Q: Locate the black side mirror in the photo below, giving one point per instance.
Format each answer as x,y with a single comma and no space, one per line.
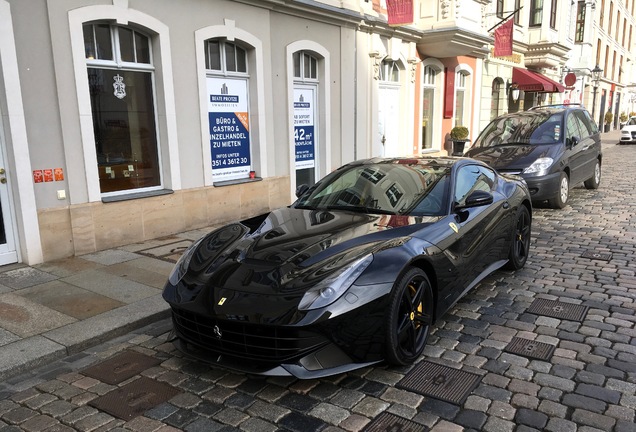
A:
477,198
574,140
300,190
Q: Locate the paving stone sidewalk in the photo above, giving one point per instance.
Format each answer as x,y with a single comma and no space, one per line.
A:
583,255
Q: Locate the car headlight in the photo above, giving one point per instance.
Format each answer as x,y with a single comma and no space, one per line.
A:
181,267
540,166
331,289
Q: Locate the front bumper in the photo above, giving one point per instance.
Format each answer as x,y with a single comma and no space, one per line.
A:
544,187
628,137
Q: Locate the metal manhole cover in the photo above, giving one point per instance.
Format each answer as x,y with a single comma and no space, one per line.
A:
440,382
557,309
529,348
134,399
602,256
121,367
387,422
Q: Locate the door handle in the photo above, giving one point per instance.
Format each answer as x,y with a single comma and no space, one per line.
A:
3,180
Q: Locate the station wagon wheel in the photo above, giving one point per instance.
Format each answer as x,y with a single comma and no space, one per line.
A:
409,317
563,193
520,245
595,180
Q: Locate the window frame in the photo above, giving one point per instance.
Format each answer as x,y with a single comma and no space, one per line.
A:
553,13
118,64
536,13
579,32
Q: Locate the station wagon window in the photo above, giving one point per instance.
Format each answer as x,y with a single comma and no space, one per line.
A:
121,86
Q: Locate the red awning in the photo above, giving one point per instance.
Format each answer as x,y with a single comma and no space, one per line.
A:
529,81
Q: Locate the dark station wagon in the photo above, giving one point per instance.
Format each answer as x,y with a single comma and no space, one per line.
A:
553,148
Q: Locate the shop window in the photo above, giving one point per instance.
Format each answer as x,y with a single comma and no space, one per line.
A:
429,83
460,97
228,109
495,96
122,95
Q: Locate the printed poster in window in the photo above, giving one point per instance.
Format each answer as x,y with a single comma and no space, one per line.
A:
304,136
228,116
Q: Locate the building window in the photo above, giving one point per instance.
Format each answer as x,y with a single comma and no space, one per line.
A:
553,14
225,57
500,8
600,23
609,25
494,100
121,86
305,66
579,33
228,85
517,14
428,106
598,52
624,32
536,13
389,71
460,97
629,40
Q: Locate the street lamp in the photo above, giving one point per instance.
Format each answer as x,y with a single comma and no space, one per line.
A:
596,77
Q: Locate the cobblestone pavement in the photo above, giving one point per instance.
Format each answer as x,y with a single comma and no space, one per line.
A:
588,384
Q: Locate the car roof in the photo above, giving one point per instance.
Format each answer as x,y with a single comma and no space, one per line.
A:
432,161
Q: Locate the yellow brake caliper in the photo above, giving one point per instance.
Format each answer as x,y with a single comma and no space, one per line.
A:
420,307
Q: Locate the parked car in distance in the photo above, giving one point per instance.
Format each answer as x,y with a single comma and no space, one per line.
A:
628,132
553,148
355,272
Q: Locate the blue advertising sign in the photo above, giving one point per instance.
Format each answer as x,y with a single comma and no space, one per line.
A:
304,134
228,119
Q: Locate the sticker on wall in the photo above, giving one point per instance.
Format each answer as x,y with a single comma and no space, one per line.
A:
119,86
38,176
48,175
58,173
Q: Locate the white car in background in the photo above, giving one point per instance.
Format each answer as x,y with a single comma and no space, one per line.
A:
628,132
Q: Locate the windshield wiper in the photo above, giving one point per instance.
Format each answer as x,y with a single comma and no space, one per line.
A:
305,207
358,209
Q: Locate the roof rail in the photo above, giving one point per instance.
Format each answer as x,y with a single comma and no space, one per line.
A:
555,106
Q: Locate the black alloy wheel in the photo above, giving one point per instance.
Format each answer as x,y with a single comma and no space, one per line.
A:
518,254
409,317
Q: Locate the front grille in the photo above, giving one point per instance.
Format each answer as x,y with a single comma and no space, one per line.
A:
262,343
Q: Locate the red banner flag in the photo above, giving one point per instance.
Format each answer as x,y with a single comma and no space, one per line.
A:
400,11
503,39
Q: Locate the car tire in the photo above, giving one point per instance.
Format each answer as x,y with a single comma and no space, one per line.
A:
409,317
520,245
561,198
594,181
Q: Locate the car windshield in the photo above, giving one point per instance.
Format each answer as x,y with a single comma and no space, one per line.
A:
401,187
632,121
530,127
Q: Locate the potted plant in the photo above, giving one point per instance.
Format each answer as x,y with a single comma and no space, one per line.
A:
608,120
623,118
459,136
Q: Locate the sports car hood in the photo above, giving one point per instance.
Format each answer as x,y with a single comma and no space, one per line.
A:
510,156
286,247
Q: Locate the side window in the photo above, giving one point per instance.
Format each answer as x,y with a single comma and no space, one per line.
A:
586,123
584,126
572,127
471,178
